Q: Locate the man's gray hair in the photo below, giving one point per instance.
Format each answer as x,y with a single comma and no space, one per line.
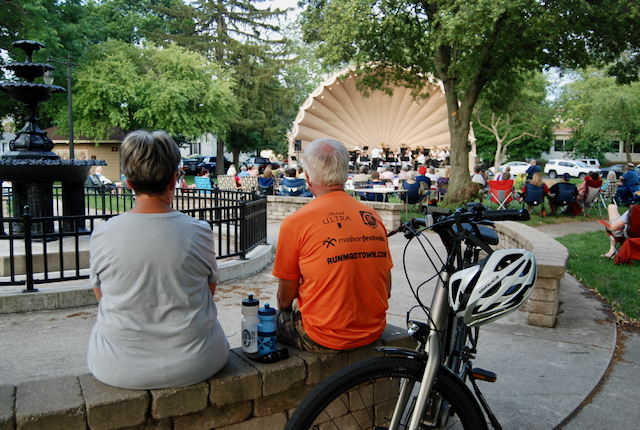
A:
326,162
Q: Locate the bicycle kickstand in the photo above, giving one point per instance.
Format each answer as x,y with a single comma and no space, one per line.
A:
484,375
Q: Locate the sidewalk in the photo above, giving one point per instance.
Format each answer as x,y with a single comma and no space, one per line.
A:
543,374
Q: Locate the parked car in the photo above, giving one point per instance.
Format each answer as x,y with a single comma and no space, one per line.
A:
261,162
617,168
193,166
575,168
515,167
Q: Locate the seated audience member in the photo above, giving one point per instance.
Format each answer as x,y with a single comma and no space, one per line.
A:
431,174
403,173
388,174
266,181
500,175
423,178
255,171
618,225
301,174
243,172
329,304
531,191
375,180
630,183
480,179
505,176
231,171
291,186
181,184
154,273
415,192
562,193
610,186
592,180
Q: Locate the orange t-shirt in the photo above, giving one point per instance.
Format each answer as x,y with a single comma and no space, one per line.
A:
338,249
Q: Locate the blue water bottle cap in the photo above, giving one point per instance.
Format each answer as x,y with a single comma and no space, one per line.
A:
267,310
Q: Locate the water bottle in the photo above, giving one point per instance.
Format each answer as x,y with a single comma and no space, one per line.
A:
266,330
250,325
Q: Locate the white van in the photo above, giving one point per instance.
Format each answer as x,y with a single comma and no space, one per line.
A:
591,162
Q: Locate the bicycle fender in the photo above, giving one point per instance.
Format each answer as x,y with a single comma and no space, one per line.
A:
403,352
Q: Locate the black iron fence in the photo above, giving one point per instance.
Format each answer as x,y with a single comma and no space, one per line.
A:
36,250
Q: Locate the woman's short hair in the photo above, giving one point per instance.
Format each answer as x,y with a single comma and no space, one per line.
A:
612,175
506,176
268,172
149,160
326,162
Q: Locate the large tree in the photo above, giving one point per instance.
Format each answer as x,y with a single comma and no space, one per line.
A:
528,115
242,38
472,47
132,87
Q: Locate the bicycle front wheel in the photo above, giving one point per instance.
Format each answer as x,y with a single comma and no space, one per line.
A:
364,396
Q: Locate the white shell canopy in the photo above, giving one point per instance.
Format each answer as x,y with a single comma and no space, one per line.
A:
336,109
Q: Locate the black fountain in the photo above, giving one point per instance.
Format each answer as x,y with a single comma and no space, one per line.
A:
30,165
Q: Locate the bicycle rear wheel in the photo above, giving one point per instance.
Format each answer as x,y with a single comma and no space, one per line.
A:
364,395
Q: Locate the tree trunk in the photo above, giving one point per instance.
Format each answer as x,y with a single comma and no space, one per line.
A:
220,156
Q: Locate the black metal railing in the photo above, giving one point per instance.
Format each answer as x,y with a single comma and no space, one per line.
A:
36,250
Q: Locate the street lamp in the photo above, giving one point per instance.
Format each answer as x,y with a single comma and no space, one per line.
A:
48,79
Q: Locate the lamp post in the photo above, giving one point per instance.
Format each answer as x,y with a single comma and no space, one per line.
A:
48,79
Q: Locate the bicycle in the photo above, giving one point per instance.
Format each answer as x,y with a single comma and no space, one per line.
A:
425,388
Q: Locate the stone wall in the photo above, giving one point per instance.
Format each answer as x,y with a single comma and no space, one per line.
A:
551,257
244,395
278,207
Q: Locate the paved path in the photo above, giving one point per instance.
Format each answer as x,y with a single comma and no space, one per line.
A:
543,374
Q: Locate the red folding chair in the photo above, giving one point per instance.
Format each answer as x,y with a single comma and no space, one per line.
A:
630,249
501,192
627,246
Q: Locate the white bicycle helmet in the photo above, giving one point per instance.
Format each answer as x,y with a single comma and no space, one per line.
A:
495,287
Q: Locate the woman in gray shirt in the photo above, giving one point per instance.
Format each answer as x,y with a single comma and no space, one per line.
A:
154,272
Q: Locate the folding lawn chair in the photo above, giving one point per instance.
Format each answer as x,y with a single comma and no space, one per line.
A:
591,200
627,246
501,192
249,184
534,196
227,183
203,183
630,249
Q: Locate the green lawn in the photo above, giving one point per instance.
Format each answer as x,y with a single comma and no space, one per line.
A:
619,285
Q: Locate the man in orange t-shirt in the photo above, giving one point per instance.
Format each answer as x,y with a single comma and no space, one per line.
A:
333,259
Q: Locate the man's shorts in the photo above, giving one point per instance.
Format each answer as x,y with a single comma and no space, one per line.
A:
291,332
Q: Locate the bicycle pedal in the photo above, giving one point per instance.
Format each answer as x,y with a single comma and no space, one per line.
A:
483,375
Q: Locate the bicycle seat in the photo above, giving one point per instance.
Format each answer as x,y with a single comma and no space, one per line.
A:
488,235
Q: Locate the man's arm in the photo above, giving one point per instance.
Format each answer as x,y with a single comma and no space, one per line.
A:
287,291
212,288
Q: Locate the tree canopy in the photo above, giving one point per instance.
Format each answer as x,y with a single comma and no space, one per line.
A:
529,115
122,85
601,112
472,47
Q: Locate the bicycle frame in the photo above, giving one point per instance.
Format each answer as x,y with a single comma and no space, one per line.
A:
438,339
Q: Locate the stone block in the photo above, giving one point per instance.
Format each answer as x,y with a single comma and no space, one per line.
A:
110,407
544,308
541,320
173,402
236,373
55,403
363,353
547,283
215,417
281,375
7,403
290,399
271,422
320,366
544,295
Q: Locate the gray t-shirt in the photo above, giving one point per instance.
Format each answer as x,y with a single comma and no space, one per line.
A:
157,322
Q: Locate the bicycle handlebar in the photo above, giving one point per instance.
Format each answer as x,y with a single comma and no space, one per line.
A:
475,216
